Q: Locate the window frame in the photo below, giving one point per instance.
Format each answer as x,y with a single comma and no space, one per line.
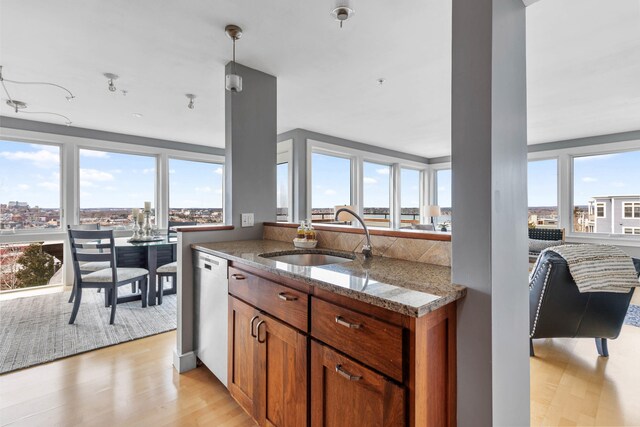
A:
35,232
358,157
190,159
634,231
284,154
634,206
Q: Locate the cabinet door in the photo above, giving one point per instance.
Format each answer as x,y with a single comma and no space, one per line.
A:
282,374
345,393
243,355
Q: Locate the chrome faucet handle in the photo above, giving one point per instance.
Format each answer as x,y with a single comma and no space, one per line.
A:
366,251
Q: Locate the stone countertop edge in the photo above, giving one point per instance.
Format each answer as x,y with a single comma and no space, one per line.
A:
455,293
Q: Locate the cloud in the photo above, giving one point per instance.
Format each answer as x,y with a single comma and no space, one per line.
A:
329,192
115,171
23,187
172,171
205,189
43,158
48,185
110,188
383,171
218,171
90,175
369,180
589,179
618,184
94,154
148,170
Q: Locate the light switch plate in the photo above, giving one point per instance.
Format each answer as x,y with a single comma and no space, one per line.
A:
247,220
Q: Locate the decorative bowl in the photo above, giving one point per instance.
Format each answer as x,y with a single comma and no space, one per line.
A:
304,243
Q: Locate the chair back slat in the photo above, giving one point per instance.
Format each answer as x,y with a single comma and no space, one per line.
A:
90,245
91,257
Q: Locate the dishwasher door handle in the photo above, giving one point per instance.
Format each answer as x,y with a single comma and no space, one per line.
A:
238,276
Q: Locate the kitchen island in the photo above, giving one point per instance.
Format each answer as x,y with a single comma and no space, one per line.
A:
363,341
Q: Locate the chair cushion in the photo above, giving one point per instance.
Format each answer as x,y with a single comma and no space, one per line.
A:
123,274
172,267
95,265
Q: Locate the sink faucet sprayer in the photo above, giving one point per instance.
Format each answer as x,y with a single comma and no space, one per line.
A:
366,249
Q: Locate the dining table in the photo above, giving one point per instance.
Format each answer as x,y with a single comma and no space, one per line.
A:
148,255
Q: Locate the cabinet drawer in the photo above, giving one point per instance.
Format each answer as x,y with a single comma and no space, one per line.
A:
373,342
288,305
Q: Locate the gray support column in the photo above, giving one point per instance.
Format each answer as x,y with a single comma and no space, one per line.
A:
489,162
299,147
250,150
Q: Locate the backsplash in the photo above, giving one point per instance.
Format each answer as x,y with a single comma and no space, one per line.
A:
419,250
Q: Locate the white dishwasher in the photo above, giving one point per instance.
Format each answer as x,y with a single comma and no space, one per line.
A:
211,310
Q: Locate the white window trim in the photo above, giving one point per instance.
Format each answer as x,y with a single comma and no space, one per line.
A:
634,231
604,209
358,157
285,155
633,208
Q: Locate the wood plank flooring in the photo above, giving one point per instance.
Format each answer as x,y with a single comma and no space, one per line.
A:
134,384
131,384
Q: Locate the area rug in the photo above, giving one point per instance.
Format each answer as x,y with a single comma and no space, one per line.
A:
35,330
633,316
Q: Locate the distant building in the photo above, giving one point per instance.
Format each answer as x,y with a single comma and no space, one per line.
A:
18,205
614,214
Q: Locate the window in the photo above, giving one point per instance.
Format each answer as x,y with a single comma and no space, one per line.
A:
631,209
409,196
29,186
543,193
376,182
282,192
443,197
111,184
631,230
195,191
330,185
602,184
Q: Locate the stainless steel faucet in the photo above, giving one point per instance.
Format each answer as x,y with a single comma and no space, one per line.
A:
366,249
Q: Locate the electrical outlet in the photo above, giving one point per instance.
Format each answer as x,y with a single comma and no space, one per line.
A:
247,220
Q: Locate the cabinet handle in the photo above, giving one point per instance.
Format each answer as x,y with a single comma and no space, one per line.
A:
238,276
260,323
253,319
347,375
284,297
341,321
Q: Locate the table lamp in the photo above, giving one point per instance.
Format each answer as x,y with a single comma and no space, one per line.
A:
432,211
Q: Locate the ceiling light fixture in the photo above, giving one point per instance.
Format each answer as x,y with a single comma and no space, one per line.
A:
381,81
233,82
343,10
191,104
111,77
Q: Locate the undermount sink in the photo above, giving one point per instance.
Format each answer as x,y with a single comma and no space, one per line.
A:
308,259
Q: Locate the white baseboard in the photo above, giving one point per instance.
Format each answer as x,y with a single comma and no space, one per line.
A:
184,362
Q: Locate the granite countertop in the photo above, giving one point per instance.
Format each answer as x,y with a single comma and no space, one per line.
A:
406,287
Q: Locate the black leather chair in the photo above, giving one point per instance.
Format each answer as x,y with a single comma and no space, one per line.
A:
557,309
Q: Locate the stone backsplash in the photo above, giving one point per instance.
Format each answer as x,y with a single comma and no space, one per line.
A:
419,250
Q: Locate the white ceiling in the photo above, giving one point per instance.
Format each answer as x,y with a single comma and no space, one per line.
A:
583,66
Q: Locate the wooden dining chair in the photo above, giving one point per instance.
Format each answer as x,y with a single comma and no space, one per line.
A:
86,267
99,246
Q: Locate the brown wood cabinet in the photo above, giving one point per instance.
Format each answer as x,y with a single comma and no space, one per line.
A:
365,366
268,367
346,393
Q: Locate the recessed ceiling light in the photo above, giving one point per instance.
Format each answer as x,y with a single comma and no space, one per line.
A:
381,81
137,115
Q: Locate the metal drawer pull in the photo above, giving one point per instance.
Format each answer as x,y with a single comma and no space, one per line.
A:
260,323
253,319
341,321
284,297
347,375
238,276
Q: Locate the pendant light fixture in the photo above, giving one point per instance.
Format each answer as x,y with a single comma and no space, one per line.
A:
110,81
233,82
191,105
343,10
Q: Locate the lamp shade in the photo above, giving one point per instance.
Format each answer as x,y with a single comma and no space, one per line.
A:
344,216
432,210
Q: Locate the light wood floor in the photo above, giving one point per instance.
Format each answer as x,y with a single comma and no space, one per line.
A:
131,384
135,384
